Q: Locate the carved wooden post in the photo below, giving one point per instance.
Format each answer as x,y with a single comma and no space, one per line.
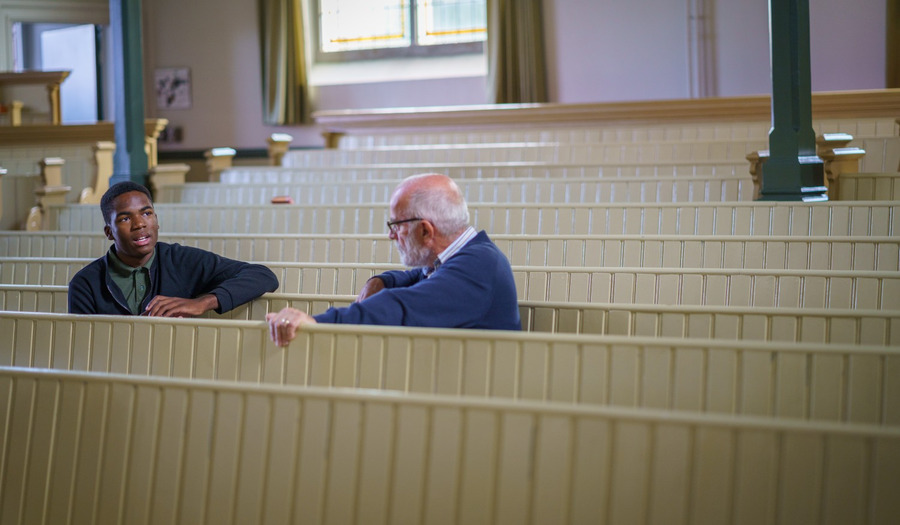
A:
103,170
279,143
840,161
55,109
152,128
757,159
167,174
828,141
15,113
218,159
53,192
332,138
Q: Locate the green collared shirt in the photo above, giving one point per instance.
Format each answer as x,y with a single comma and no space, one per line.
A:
134,282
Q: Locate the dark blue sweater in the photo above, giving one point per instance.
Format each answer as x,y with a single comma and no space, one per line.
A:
473,289
177,271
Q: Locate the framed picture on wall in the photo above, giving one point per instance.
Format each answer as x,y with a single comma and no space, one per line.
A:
173,88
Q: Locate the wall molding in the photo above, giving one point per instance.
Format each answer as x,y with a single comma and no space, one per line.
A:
835,104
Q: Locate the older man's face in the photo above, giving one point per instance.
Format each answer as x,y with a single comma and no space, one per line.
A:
408,235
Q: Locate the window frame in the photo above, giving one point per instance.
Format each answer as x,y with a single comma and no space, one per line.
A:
414,50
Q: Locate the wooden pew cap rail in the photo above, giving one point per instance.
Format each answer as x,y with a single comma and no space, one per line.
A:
863,103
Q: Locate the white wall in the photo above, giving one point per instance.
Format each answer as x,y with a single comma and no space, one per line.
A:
847,44
617,50
597,51
742,47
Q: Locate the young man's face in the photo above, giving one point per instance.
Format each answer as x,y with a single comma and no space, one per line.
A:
133,228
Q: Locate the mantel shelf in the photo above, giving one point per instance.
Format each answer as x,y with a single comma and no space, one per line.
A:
50,79
33,77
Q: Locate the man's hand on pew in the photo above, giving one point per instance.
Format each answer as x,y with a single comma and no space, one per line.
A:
162,306
283,325
372,287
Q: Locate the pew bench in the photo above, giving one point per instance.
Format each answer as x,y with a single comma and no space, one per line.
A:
681,286
151,448
870,186
827,382
619,132
819,325
585,153
508,191
850,218
662,251
463,171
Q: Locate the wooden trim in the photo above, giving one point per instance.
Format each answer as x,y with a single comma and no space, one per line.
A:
842,104
47,135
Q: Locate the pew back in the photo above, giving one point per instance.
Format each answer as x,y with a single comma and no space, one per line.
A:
861,218
688,286
662,251
655,189
460,171
204,452
860,128
571,153
835,382
809,325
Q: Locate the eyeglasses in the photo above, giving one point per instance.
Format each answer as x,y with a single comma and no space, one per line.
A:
392,225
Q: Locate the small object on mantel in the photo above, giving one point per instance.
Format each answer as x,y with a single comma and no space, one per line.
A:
282,199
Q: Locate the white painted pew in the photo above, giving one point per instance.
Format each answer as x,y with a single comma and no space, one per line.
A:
663,251
870,186
878,218
585,153
506,191
687,286
211,452
733,130
827,382
462,171
810,325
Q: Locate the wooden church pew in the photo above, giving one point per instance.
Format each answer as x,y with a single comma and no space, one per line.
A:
509,190
689,286
827,382
667,251
819,325
584,153
858,218
465,171
151,448
870,186
619,132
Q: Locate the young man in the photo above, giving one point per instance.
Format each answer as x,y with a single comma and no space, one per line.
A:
140,276
462,279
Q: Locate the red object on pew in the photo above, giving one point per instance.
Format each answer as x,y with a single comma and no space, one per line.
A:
282,199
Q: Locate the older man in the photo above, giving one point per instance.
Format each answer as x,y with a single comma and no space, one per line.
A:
461,279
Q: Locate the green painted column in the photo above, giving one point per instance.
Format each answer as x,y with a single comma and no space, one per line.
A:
130,160
793,171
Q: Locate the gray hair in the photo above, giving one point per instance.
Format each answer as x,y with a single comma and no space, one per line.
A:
447,210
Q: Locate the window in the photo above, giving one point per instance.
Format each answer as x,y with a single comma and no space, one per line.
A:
368,29
79,48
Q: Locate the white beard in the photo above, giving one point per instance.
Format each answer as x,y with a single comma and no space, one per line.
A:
416,254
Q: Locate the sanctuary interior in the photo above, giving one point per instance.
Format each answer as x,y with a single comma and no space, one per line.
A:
691,351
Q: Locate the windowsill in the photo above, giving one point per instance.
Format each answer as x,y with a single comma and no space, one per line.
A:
394,70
